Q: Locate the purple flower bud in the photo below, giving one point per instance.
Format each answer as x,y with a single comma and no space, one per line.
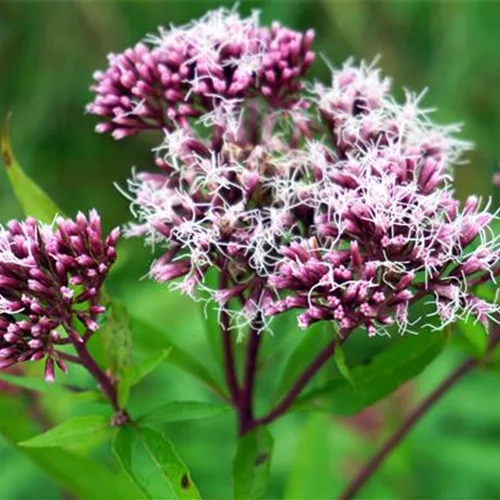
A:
96,310
304,320
49,370
6,352
403,296
159,86
471,204
225,295
471,266
405,281
472,226
62,365
165,271
356,258
338,201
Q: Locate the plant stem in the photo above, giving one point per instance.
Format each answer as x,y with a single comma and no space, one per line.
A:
369,468
98,374
104,381
245,403
227,348
69,357
229,368
300,383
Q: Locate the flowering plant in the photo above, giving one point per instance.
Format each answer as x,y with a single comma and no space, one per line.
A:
271,198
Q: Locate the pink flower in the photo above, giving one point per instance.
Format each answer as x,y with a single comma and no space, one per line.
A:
186,71
48,276
333,199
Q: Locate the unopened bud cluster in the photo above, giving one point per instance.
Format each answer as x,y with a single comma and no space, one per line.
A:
50,281
188,71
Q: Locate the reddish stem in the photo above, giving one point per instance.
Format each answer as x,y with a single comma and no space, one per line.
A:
245,402
300,383
69,357
368,469
98,374
103,380
227,349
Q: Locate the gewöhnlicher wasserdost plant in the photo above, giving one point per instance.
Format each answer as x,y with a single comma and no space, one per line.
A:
270,195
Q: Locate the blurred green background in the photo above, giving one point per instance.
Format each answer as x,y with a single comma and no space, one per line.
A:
48,51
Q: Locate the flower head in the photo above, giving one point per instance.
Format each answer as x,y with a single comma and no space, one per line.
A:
186,71
334,199
49,277
388,229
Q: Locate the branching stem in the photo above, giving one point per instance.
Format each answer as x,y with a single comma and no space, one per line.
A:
299,384
106,384
374,463
69,357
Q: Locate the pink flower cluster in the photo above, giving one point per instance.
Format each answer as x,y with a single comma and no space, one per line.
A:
51,277
227,209
187,71
333,199
388,228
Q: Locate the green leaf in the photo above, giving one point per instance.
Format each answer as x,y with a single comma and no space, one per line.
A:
342,366
152,462
134,374
308,348
33,200
175,411
116,336
471,337
191,365
63,466
405,358
487,291
151,338
310,473
87,396
30,383
143,369
83,477
39,385
251,465
70,433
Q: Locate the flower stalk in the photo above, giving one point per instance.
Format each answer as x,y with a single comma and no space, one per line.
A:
246,401
227,349
105,382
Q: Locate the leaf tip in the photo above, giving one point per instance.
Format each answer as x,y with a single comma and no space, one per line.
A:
25,444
